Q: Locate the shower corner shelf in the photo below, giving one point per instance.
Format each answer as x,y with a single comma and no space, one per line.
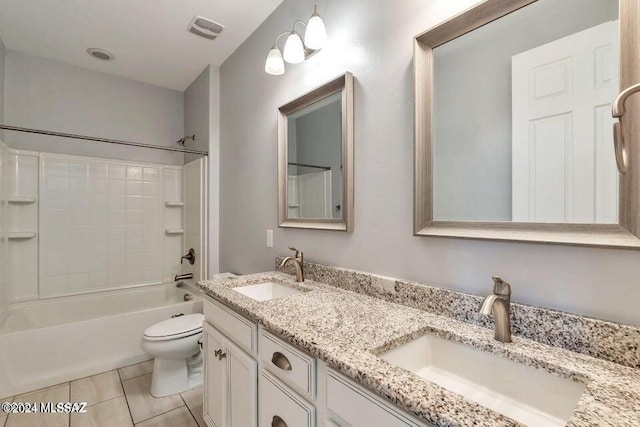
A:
174,204
22,200
22,235
171,231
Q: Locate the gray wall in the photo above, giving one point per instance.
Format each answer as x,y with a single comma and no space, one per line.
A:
373,39
196,114
472,147
201,117
45,94
318,141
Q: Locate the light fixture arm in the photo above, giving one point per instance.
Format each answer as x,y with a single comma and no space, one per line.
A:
299,22
275,44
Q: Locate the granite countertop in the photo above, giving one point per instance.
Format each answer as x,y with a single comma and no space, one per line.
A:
348,330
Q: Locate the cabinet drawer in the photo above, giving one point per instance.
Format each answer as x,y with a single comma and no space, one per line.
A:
279,406
289,364
238,329
360,408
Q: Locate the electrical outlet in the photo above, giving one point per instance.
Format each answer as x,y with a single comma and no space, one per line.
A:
269,238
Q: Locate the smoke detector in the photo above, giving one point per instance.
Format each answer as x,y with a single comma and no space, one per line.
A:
101,54
204,27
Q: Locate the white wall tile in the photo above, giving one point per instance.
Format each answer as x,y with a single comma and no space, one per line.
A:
78,184
117,186
134,188
58,183
97,185
118,217
97,170
112,233
134,173
117,232
151,217
117,202
150,174
150,189
56,167
78,169
116,171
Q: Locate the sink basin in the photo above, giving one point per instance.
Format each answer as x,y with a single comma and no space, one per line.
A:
267,291
528,395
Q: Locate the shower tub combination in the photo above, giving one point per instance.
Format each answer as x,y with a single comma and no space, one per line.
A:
54,340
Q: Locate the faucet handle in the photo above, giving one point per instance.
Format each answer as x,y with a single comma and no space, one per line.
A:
298,252
500,287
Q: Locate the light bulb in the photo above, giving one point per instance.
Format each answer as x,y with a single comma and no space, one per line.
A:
315,37
293,49
274,64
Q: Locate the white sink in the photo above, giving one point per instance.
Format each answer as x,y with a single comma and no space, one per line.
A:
266,291
528,395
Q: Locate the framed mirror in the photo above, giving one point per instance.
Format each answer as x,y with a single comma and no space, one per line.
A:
513,123
315,158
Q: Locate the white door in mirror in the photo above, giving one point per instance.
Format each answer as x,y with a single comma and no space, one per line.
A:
563,160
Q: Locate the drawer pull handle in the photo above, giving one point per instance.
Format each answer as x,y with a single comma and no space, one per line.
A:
278,422
222,356
281,361
217,353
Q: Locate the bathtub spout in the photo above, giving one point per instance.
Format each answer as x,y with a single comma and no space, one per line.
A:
183,277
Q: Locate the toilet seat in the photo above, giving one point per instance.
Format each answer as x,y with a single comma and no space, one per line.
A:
174,328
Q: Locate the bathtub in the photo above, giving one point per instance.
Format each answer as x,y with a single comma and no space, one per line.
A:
50,341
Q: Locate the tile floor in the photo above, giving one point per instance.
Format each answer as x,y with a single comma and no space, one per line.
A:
115,398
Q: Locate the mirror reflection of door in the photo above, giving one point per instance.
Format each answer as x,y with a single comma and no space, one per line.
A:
563,162
314,184
521,128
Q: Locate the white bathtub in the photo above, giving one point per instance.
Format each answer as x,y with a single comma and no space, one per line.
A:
47,342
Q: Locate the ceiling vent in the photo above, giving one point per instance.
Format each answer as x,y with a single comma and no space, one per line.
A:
101,54
204,27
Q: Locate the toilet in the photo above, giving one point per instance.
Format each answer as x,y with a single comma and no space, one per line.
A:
175,345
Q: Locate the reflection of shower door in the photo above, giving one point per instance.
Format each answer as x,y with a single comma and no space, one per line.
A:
563,159
310,195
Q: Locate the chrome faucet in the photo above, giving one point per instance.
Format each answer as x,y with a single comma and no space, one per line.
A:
298,262
499,303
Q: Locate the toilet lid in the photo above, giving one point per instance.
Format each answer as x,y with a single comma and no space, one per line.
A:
175,327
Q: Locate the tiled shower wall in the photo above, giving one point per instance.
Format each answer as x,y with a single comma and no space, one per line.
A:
101,225
96,224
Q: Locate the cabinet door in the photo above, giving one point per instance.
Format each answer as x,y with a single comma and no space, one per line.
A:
215,378
243,394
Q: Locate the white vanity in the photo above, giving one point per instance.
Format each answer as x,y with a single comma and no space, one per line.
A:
253,378
282,353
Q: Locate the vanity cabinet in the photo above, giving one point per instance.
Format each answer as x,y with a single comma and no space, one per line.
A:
253,378
230,392
350,405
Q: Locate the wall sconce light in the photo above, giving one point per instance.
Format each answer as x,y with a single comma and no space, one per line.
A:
295,50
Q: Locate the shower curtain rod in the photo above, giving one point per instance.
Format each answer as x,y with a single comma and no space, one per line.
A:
97,139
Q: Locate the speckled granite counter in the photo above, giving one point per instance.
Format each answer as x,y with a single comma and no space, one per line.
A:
347,330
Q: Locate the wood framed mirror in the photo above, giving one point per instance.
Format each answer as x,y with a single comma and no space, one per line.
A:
513,125
315,158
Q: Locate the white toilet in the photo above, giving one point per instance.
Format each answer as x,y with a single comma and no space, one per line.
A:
175,345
